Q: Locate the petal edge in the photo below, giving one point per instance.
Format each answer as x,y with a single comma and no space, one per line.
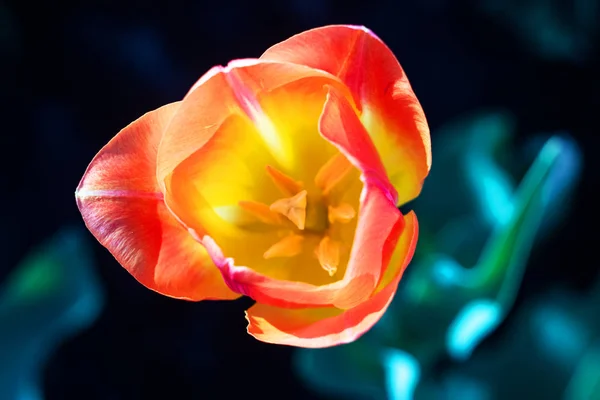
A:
326,327
122,206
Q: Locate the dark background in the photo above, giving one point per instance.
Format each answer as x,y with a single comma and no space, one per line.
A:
74,73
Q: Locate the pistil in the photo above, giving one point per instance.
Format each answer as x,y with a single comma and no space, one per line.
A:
294,208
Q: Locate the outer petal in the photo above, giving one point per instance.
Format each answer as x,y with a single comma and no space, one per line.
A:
390,110
324,327
123,207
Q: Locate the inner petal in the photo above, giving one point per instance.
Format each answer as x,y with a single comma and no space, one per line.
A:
222,191
264,214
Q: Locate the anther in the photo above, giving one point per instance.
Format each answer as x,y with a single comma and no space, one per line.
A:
261,211
332,172
284,183
289,246
328,253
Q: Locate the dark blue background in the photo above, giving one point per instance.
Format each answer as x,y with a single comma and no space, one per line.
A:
74,73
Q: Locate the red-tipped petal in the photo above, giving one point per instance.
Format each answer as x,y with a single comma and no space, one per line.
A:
329,326
340,125
390,110
123,207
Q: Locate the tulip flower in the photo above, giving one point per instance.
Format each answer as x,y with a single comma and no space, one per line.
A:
277,178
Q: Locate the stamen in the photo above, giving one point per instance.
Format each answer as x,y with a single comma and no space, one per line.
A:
294,208
332,172
343,213
261,211
289,246
287,185
328,253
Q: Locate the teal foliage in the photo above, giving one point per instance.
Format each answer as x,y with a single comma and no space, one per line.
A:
554,339
482,209
50,296
552,29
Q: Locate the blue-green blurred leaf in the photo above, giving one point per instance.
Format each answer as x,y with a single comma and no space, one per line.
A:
550,350
402,374
550,29
478,223
50,296
585,382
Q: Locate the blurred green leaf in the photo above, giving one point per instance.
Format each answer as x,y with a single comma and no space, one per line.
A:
476,233
50,296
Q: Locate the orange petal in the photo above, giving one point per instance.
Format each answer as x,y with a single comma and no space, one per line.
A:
217,95
340,125
378,229
329,326
123,207
390,110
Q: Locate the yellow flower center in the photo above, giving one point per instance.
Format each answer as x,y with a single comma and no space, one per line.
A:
301,213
